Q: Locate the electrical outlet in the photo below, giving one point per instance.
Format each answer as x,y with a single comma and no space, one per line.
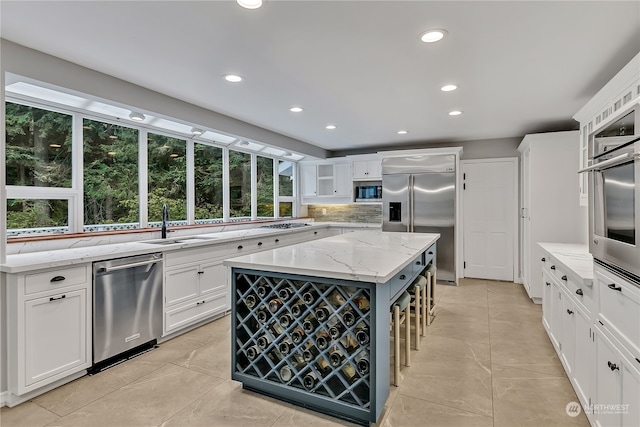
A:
324,211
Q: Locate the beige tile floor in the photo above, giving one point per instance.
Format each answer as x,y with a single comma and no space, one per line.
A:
486,361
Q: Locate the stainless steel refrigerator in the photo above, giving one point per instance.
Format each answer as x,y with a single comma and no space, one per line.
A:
419,196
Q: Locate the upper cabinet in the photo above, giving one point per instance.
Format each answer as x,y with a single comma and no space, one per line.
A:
618,93
367,167
326,182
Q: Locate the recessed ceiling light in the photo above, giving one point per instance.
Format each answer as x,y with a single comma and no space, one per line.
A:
455,113
232,78
330,127
196,131
448,88
243,143
295,109
138,117
403,132
433,36
250,4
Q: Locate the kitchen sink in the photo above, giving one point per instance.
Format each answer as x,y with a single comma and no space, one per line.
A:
178,240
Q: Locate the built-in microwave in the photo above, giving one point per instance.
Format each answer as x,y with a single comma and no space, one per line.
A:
614,191
368,193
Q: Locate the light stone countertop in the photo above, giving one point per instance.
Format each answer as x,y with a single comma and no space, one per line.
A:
574,257
366,256
23,262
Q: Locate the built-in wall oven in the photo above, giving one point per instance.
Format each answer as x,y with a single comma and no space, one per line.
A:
614,186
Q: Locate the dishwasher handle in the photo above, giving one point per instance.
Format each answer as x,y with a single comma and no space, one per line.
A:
125,266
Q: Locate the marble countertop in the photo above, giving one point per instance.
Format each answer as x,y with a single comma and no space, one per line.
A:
18,263
366,256
574,257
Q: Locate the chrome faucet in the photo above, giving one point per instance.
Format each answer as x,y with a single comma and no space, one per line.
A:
165,219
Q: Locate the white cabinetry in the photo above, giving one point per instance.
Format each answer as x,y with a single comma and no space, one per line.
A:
550,210
195,286
367,170
49,324
326,182
617,93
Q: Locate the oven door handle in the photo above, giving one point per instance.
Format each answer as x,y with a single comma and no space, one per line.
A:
609,163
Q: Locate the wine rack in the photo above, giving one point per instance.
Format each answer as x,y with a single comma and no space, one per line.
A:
306,334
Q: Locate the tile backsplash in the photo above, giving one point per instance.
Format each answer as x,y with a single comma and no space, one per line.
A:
355,212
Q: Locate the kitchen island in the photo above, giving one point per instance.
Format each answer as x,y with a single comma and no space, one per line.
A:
310,322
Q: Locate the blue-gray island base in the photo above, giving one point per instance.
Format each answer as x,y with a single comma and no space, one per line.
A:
322,342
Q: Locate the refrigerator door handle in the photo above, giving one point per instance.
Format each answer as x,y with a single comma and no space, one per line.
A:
411,183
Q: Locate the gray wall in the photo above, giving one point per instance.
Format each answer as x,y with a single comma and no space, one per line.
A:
477,149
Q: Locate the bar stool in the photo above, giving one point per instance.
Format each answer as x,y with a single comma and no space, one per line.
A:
403,303
419,290
430,295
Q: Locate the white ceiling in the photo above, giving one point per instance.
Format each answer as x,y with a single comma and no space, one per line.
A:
521,67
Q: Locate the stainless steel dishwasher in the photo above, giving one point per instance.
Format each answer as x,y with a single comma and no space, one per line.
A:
127,308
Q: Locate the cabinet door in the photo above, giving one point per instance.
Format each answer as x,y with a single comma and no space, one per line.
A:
556,315
608,385
631,394
374,169
567,338
547,291
584,357
342,179
180,285
186,314
308,180
360,169
55,336
213,279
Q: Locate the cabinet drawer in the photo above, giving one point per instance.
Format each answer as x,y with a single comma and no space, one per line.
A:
55,279
195,311
583,295
400,281
619,308
251,245
199,254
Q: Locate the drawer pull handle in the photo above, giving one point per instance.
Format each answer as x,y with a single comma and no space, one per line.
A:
315,232
564,278
240,247
569,311
613,287
57,279
200,272
553,267
613,366
418,262
548,284
277,240
56,299
430,252
402,277
200,302
259,243
579,292
543,259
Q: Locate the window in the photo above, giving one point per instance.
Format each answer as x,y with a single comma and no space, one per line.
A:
167,177
208,183
264,187
286,191
38,147
48,193
37,216
110,176
239,185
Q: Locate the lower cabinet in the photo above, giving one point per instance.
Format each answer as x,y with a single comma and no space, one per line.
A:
584,357
49,327
193,293
617,400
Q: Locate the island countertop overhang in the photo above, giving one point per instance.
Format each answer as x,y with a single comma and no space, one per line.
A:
365,256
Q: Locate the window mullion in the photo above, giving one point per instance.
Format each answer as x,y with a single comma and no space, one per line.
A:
76,208
143,173
254,186
191,192
226,195
276,188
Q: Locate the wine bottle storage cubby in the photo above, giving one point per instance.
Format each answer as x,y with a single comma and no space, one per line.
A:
309,335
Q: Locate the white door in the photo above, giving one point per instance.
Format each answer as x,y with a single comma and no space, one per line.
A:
489,218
